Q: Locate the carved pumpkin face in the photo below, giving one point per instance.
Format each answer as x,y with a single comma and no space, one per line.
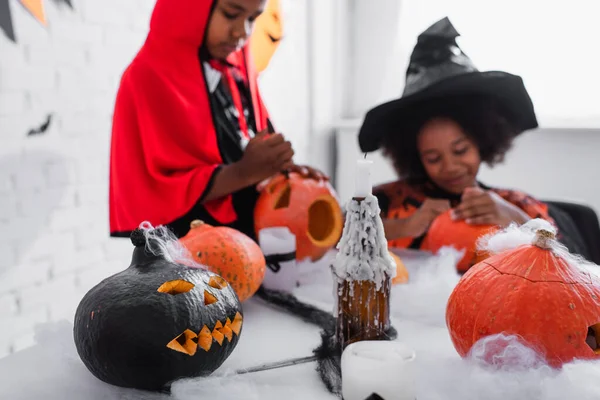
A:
458,234
534,294
229,253
267,35
308,208
156,322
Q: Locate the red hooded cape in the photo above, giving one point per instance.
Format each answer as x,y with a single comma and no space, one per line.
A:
164,148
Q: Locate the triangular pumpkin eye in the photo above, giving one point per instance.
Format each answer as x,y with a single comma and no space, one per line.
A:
284,198
209,298
217,282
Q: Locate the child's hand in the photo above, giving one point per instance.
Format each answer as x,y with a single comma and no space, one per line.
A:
265,155
482,207
418,223
308,172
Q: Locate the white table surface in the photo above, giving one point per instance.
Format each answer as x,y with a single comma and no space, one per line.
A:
52,370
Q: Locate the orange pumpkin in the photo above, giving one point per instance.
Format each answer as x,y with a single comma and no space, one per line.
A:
229,253
446,232
267,35
307,207
401,271
534,294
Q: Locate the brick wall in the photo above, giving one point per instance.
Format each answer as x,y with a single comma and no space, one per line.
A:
54,243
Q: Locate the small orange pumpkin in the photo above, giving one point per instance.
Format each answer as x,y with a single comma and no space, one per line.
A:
307,207
533,293
446,232
401,271
229,253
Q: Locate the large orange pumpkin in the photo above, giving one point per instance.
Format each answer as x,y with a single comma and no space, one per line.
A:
446,232
534,294
401,271
307,207
229,253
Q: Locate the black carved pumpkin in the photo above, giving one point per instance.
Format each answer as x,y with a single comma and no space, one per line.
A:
155,322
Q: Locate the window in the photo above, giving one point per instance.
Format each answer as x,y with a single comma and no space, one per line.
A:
553,46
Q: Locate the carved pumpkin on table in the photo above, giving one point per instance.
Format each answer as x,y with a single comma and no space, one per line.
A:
307,207
229,253
446,232
533,292
156,321
401,271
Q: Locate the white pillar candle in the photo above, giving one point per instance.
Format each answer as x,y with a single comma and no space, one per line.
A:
386,368
363,186
278,245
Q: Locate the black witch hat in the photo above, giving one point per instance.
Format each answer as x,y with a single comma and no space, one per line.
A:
439,69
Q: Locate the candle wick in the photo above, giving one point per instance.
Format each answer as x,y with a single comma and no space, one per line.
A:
365,156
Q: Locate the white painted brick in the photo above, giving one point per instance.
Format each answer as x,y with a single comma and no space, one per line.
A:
8,306
8,206
65,263
40,203
101,101
77,32
64,308
67,196
6,179
60,173
126,38
93,173
8,254
45,101
112,60
61,220
13,102
79,78
93,194
41,296
59,54
24,275
85,124
87,279
28,77
54,236
93,235
14,126
12,52
105,13
19,228
30,177
47,246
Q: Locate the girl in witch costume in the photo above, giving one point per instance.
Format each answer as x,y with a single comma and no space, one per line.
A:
450,119
191,137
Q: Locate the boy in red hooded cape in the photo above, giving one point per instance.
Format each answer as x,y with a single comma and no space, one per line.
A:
191,137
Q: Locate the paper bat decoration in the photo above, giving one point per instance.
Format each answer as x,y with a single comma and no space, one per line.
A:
34,7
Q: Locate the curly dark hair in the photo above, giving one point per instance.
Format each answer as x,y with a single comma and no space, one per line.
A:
482,118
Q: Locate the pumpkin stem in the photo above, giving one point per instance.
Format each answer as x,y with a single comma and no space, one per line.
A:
543,238
138,238
196,224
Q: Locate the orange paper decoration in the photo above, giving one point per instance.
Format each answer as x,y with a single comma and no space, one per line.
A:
267,34
36,8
